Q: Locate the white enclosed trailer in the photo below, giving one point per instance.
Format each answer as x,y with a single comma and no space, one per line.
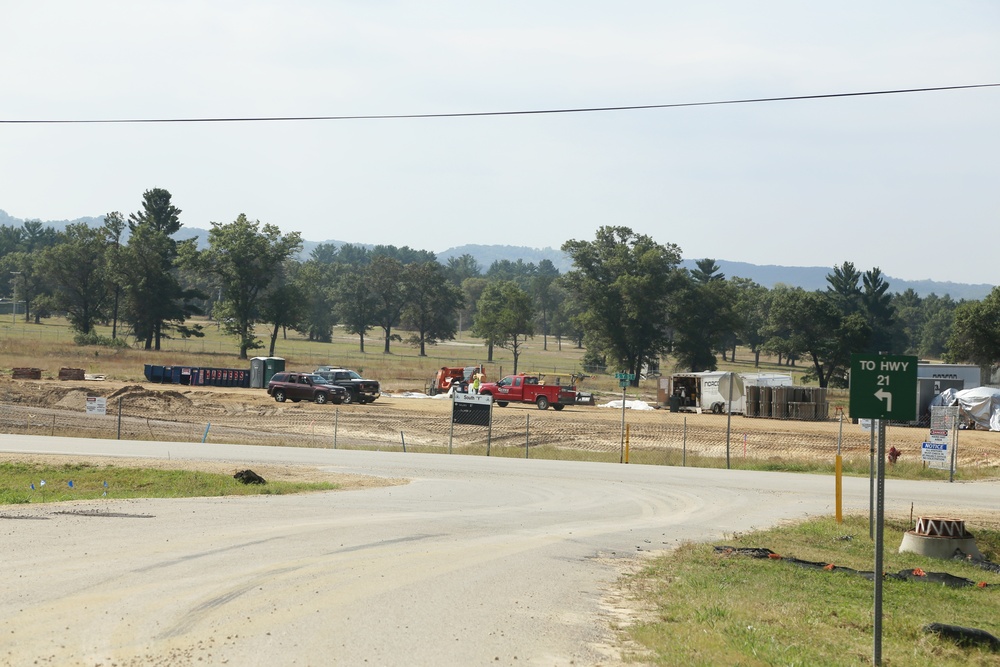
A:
699,392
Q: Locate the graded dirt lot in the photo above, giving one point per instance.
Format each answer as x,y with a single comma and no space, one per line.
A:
185,413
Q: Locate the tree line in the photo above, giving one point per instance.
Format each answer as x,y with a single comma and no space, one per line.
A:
627,300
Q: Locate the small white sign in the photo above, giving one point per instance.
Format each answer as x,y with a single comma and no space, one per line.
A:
935,454
865,424
97,405
474,398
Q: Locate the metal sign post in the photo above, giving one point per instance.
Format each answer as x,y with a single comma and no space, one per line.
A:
729,383
623,379
879,544
883,387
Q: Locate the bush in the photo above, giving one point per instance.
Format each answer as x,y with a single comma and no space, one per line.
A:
92,338
594,362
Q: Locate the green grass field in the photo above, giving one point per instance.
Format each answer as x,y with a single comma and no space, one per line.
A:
703,608
21,483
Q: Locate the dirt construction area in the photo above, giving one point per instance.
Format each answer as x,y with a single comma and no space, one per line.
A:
414,422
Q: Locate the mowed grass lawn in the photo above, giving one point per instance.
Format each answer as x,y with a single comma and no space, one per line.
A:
706,608
93,481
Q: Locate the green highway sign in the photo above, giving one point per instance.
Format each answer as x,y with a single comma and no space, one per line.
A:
883,387
624,379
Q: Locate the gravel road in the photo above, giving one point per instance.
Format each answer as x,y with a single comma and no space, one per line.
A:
474,561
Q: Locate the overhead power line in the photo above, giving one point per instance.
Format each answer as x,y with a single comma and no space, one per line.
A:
524,112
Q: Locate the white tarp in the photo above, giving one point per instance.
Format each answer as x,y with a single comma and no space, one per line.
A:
981,405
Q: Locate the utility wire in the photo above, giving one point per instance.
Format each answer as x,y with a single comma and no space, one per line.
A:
264,119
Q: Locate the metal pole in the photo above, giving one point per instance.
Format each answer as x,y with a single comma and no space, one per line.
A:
954,448
879,544
119,417
489,430
403,440
871,481
684,455
451,431
336,422
839,465
729,414
527,426
621,456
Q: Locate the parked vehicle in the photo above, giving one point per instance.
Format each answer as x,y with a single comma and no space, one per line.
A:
359,390
305,386
524,388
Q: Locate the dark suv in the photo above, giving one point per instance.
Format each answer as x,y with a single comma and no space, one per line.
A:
308,386
358,389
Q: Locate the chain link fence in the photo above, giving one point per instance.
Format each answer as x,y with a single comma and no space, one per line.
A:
646,437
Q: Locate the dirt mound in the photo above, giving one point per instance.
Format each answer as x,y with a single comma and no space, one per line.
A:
74,399
136,397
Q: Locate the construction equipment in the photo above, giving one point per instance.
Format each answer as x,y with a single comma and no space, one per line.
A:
448,376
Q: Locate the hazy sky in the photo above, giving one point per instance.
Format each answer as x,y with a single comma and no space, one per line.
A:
904,182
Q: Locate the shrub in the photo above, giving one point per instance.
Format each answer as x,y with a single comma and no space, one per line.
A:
92,338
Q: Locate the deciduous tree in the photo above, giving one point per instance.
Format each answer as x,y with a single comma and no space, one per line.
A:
76,270
246,256
625,281
504,317
975,336
432,302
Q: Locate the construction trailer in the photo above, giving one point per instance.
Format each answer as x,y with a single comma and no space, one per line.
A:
699,392
933,379
969,374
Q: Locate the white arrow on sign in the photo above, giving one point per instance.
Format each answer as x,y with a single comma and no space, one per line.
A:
886,396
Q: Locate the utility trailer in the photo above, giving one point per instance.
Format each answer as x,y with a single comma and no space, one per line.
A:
699,392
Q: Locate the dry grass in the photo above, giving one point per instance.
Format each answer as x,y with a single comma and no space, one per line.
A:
49,346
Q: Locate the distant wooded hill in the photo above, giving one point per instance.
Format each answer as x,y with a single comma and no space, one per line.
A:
806,277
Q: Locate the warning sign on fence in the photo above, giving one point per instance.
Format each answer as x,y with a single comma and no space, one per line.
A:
97,405
935,454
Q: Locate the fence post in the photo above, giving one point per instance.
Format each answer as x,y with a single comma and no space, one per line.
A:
489,430
627,427
451,425
527,425
403,440
119,417
336,421
684,456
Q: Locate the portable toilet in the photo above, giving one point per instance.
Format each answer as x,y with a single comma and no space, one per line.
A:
257,373
272,365
262,368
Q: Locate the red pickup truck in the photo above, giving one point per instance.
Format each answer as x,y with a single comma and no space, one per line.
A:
528,389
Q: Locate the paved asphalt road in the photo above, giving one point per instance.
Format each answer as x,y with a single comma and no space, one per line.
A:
476,561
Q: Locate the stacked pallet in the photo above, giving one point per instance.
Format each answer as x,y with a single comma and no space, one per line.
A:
802,403
27,373
71,374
